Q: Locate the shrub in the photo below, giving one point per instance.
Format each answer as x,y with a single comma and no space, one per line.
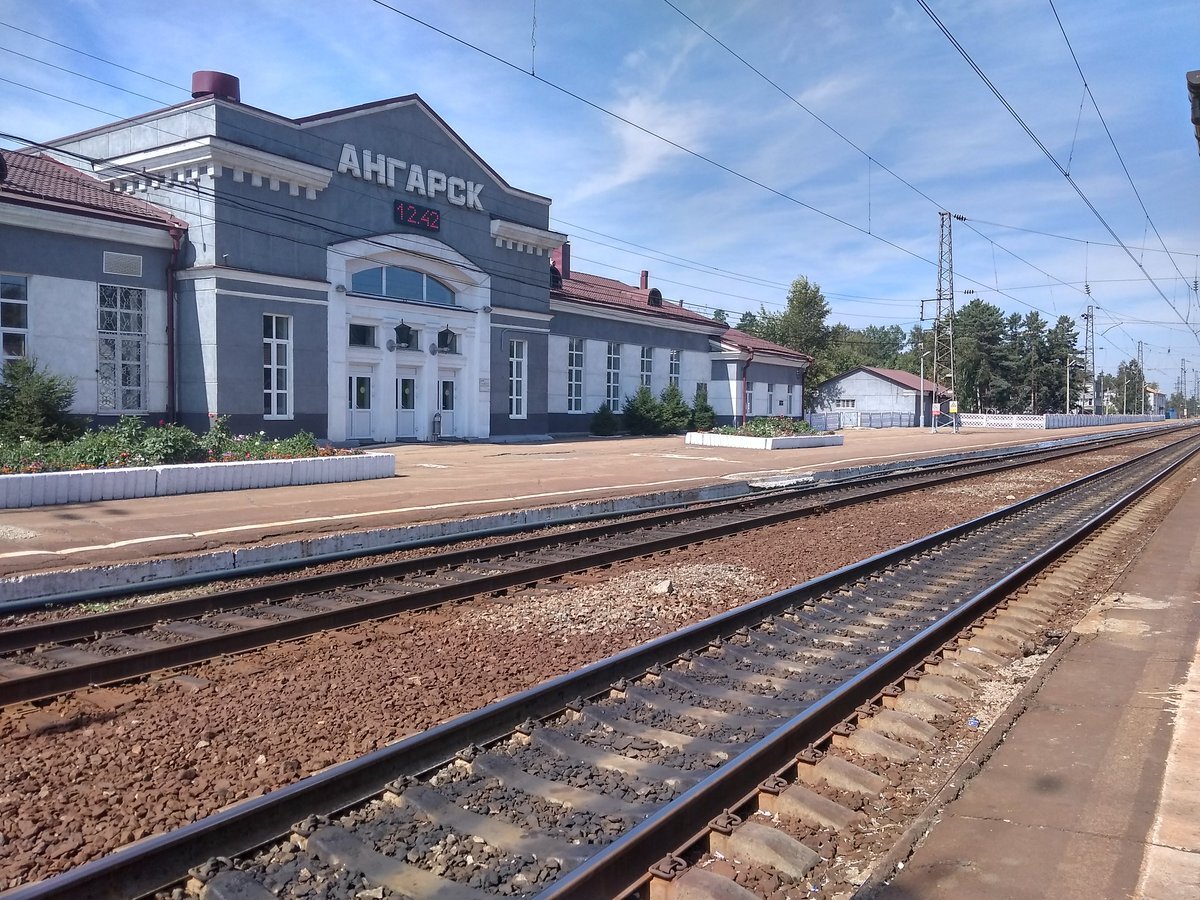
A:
604,421
774,426
642,413
35,404
674,414
704,417
131,443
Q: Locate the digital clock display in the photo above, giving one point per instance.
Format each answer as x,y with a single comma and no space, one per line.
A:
417,216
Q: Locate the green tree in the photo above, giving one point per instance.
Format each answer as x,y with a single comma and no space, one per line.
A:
674,414
1129,384
719,315
704,416
35,404
641,413
801,326
1062,351
604,421
747,323
978,360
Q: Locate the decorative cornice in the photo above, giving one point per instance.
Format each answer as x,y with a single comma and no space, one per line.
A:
209,157
525,238
21,215
197,273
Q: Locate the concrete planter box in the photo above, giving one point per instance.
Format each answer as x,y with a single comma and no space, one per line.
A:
53,488
708,439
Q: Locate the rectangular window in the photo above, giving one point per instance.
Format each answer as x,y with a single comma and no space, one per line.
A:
14,317
362,335
647,366
575,375
749,411
771,398
612,378
121,372
277,366
406,393
843,404
360,392
676,368
516,379
447,402
791,400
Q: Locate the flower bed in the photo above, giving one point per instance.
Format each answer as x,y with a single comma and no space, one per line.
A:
773,433
746,442
17,491
131,444
129,460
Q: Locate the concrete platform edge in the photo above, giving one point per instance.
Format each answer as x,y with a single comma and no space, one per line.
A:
161,573
968,769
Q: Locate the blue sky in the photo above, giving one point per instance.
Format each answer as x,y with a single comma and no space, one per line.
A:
768,191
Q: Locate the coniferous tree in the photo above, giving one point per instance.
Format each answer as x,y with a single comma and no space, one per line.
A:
35,404
673,410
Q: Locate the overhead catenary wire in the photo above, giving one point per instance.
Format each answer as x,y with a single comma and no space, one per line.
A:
1050,156
772,303
1001,293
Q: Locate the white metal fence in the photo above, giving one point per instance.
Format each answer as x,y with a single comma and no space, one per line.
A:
1053,420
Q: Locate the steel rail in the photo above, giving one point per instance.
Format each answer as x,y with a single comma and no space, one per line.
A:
157,862
110,669
858,490
985,461
607,874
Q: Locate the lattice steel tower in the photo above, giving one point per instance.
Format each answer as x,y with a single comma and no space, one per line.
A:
1089,357
943,321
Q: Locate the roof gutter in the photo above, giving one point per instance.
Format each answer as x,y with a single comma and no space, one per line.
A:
746,385
172,267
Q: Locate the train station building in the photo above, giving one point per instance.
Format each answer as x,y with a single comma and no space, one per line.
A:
361,274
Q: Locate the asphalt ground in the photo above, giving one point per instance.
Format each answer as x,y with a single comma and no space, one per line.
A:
439,482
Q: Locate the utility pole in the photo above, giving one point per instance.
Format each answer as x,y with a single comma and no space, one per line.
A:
1182,389
943,322
1067,403
1142,372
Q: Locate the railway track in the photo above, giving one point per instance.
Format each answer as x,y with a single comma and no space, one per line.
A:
611,781
52,658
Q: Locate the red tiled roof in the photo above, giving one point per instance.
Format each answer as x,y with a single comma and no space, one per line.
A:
36,179
596,289
610,292
904,379
744,341
899,376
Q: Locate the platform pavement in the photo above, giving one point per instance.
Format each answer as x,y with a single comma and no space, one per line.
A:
437,482
1095,790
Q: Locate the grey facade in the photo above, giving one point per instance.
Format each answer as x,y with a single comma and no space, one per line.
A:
286,216
871,396
84,286
363,275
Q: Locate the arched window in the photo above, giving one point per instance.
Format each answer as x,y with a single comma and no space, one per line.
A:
401,284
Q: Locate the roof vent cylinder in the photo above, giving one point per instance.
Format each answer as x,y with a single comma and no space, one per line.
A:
218,85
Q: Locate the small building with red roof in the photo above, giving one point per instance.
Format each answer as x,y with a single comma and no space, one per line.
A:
872,396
